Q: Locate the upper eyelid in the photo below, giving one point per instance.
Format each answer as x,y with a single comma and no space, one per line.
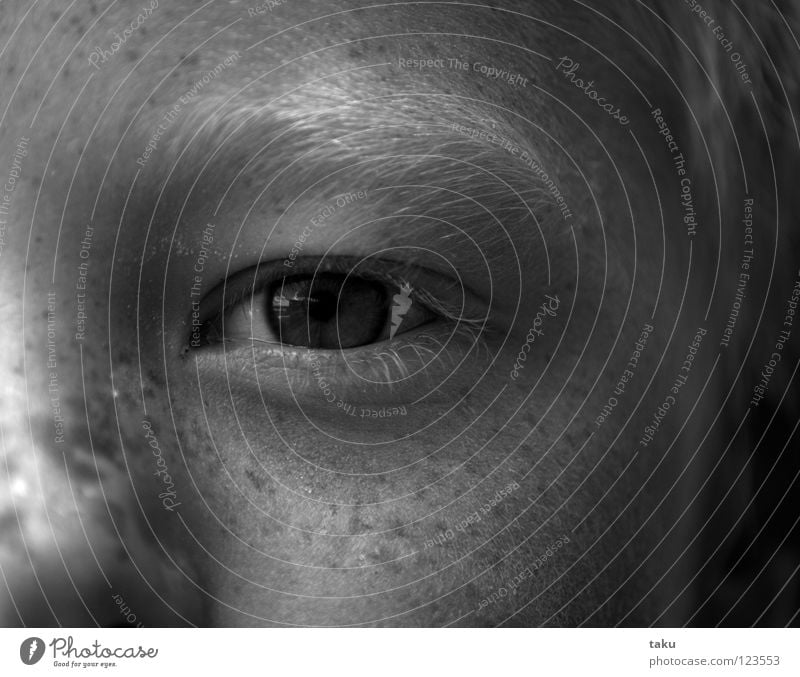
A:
251,281
242,137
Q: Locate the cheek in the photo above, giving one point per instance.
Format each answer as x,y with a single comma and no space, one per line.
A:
280,539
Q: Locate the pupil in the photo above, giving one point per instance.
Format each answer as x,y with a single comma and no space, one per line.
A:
322,306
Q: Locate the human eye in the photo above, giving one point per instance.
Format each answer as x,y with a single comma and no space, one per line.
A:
366,325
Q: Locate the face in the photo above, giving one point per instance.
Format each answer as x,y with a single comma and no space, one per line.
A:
354,319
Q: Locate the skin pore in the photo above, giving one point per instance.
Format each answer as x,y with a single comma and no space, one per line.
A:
413,482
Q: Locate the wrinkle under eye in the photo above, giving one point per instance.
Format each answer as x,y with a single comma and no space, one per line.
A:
327,311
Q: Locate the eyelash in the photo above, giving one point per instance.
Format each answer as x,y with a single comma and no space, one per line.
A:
378,359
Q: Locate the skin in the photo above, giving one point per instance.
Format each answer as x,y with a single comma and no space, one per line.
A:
348,526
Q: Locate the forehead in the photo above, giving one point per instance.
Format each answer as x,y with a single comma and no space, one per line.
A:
280,30
125,67
153,50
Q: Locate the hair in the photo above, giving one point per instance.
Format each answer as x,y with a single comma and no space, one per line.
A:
747,128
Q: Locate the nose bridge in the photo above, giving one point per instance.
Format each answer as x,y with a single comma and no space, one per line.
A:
56,540
39,509
30,392
72,535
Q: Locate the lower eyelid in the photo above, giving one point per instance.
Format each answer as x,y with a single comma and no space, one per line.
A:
425,356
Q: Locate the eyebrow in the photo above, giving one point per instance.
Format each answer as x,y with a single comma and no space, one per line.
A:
430,156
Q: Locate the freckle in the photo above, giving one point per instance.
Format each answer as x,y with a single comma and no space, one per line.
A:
55,16
132,54
376,557
10,69
254,480
65,72
277,418
357,526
